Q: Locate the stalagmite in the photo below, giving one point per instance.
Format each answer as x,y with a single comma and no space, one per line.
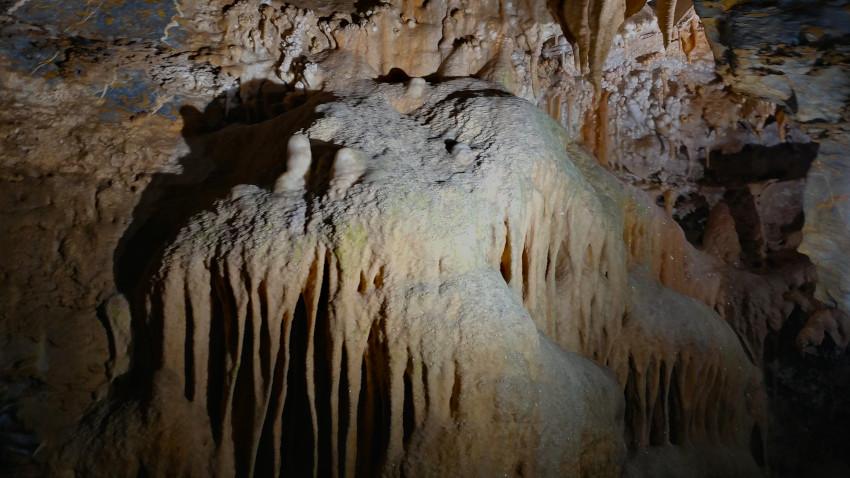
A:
347,168
720,238
416,88
298,158
380,332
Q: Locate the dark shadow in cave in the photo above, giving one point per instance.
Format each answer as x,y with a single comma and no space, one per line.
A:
755,162
808,396
734,172
217,138
395,75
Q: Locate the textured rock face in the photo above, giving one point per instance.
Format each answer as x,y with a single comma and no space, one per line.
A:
243,230
796,54
158,433
361,315
689,389
790,53
360,311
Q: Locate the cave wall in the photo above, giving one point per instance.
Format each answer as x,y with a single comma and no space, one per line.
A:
795,54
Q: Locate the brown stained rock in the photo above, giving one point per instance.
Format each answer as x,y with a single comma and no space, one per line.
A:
780,212
796,55
720,238
822,322
68,190
162,434
826,233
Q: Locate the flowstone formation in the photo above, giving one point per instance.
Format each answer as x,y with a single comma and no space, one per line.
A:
396,301
368,310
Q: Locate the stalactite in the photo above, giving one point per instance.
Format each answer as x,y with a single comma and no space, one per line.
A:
690,40
685,375
592,25
667,19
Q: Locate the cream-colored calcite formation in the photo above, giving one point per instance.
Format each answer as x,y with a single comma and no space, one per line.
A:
298,159
406,304
447,36
347,168
692,397
654,239
385,326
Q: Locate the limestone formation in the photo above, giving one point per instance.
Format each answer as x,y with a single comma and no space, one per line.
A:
298,158
370,323
441,238
463,154
382,332
822,323
720,239
692,387
798,58
162,434
347,168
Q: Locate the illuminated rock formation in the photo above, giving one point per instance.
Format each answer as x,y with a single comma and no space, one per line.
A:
383,326
254,237
385,319
298,158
